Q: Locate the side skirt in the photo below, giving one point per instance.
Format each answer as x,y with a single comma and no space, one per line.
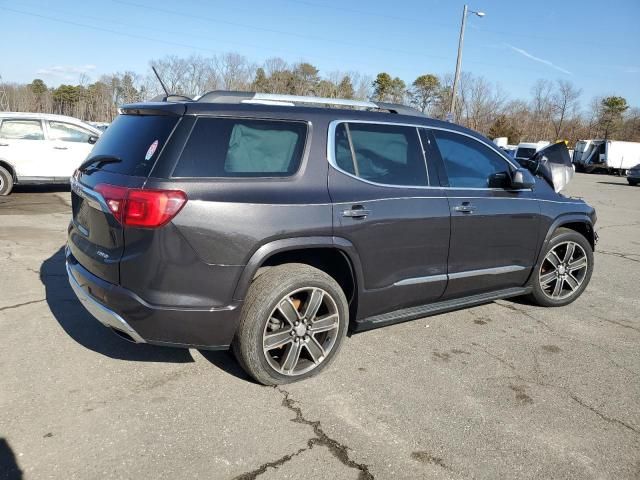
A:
420,311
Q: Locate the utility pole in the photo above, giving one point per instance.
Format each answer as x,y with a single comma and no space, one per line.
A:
456,78
4,101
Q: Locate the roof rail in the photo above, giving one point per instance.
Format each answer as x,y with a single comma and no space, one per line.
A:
224,96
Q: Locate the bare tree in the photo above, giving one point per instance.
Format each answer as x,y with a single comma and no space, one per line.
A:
564,102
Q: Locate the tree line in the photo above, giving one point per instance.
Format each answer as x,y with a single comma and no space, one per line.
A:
553,110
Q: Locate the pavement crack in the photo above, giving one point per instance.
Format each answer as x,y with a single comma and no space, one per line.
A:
18,305
626,256
263,468
602,415
338,450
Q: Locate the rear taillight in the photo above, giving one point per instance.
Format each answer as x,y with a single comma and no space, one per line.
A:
134,207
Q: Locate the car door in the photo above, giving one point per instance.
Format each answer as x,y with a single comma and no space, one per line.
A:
22,144
494,229
69,148
384,204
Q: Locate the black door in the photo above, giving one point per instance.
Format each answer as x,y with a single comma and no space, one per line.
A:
494,230
384,206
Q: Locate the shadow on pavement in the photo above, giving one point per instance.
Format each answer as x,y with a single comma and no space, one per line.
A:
226,362
619,184
62,187
9,469
86,330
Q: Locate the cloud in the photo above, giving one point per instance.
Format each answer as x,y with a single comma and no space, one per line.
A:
66,72
524,53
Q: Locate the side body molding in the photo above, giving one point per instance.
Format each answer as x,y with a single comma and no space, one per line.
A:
296,243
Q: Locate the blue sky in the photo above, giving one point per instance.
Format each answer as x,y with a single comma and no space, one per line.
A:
596,45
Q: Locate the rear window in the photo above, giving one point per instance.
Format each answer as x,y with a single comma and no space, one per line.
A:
132,138
226,147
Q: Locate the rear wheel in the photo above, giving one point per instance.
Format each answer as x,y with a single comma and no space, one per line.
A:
6,181
564,270
293,322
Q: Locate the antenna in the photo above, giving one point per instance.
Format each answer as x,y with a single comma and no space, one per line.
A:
160,80
4,101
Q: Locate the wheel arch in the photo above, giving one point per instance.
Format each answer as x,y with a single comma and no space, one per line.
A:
4,163
333,255
580,223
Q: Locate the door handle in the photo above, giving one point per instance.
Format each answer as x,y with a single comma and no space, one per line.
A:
357,211
466,207
61,148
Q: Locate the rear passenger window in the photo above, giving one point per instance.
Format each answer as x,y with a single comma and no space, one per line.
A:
21,130
224,147
381,153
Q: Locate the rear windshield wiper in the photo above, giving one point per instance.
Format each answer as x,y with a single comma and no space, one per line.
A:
98,161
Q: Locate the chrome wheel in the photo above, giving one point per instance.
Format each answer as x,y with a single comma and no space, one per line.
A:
301,331
563,270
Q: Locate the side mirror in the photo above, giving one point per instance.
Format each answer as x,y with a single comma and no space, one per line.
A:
522,179
92,139
499,180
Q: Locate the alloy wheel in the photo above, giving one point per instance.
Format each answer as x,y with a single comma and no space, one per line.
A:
301,331
563,270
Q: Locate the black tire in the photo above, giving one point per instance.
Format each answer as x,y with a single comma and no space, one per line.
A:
633,183
543,296
6,181
269,290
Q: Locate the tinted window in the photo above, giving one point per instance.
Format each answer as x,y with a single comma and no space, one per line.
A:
224,147
21,130
525,152
387,154
67,133
467,162
131,138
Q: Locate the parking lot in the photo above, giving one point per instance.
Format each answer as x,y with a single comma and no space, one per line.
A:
504,390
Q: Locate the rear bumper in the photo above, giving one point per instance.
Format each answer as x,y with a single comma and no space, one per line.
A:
122,310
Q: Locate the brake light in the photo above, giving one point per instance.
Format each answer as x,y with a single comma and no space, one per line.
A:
134,207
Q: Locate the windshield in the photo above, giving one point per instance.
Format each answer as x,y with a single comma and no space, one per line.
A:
524,152
136,140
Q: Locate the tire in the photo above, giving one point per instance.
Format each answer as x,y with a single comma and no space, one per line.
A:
633,183
6,181
263,323
546,275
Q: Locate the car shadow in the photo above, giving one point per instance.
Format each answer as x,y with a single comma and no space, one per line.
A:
225,361
9,469
54,187
87,331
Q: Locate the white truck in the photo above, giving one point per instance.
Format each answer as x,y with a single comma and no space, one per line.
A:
611,155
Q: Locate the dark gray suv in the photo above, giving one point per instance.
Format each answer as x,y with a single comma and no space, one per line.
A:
274,226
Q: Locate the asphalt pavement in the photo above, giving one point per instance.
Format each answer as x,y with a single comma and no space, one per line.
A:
503,390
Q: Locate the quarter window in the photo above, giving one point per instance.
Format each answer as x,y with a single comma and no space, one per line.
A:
67,133
21,130
223,147
381,153
468,163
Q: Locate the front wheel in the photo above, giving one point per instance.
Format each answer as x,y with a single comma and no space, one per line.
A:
293,322
633,183
564,270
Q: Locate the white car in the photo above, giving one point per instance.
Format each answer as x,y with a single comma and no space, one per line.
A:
38,148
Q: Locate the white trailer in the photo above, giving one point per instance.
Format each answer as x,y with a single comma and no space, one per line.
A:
611,155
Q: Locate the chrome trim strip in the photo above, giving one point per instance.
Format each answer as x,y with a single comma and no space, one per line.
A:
101,313
93,198
486,271
275,97
416,280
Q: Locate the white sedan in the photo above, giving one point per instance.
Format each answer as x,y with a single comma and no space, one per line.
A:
38,148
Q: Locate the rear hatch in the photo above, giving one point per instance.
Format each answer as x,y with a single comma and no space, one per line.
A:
119,163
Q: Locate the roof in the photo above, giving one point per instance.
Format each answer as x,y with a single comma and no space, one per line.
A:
49,116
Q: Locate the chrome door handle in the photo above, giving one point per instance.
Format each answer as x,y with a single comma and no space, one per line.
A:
61,148
466,207
356,212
